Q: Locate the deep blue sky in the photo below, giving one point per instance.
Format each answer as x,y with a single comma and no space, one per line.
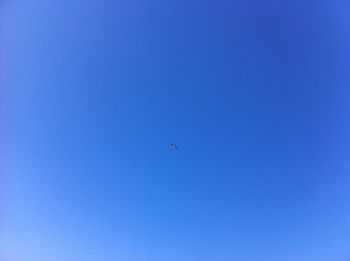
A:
255,93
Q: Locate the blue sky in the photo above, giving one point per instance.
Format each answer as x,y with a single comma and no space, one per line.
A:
255,94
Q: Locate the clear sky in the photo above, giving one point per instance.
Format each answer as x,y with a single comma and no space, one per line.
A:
255,94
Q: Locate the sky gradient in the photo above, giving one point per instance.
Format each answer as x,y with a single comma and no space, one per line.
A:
255,94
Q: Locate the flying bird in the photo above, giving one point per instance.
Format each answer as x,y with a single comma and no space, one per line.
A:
174,146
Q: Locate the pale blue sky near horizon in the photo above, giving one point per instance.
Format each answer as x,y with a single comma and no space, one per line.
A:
255,94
